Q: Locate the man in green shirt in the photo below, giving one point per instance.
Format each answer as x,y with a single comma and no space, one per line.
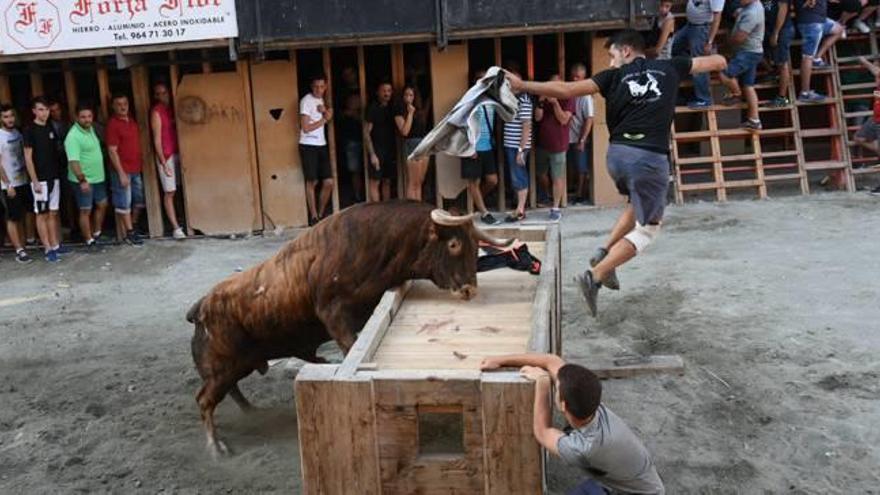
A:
86,172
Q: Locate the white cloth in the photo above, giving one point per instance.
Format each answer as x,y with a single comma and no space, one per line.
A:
12,158
310,107
583,109
457,133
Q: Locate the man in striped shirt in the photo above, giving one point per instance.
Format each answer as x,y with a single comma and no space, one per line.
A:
517,144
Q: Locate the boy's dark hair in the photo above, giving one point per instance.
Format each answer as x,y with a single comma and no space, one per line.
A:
317,77
6,107
627,37
580,389
117,95
84,105
39,100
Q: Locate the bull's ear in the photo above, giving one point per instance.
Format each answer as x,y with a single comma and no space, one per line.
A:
432,233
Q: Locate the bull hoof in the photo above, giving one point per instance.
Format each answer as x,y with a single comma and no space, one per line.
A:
218,449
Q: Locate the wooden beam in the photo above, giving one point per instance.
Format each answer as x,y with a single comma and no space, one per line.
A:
604,191
206,65
70,92
398,79
103,91
244,72
5,89
36,80
362,84
499,140
530,74
173,74
331,127
140,86
636,366
560,57
374,330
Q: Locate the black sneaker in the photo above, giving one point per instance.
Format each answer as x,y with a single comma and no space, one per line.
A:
751,125
590,290
611,280
23,258
132,239
514,217
875,191
488,219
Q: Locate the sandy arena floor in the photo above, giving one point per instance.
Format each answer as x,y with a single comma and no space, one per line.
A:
774,305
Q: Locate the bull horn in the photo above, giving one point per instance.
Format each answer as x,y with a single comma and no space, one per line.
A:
482,235
446,219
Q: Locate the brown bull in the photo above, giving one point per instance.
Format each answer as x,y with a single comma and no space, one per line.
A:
323,285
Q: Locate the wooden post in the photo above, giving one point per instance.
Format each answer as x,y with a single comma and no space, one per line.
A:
140,86
362,85
530,74
398,79
173,74
36,79
499,142
331,127
69,88
604,191
560,54
5,90
103,91
243,69
206,65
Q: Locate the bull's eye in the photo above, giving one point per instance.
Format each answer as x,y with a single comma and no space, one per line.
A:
454,246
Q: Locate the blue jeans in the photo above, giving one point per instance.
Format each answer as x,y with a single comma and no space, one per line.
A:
588,487
691,39
743,66
354,156
813,34
579,159
97,195
126,197
519,174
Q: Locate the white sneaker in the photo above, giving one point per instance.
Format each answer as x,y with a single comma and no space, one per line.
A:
178,234
861,26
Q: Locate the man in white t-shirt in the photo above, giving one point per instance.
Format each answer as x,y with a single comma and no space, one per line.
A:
16,194
579,135
313,151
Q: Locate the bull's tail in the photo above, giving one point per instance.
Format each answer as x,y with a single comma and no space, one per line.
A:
193,312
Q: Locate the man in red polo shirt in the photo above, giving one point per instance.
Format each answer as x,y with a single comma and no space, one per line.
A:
124,148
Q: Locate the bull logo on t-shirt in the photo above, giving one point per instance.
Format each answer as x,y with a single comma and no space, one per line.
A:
644,86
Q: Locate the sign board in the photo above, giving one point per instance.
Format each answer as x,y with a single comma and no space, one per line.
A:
36,26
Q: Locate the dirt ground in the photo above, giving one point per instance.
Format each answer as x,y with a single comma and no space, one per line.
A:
773,305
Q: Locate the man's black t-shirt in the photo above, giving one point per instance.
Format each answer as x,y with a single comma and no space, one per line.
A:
382,133
44,141
641,98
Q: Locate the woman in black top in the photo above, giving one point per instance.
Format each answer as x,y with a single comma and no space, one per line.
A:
411,118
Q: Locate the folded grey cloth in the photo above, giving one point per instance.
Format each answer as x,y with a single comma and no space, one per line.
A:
457,133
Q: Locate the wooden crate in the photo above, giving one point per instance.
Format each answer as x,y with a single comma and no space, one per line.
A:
408,411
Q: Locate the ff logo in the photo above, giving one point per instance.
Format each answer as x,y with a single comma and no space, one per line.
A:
32,23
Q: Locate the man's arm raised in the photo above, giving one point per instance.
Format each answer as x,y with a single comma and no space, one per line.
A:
709,63
554,89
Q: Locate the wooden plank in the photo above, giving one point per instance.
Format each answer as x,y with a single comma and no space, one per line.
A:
331,126
540,338
403,469
103,92
604,191
449,80
243,69
362,85
141,95
560,57
530,74
280,171
398,80
499,138
628,368
206,65
371,335
512,457
36,78
211,109
5,90
70,92
337,435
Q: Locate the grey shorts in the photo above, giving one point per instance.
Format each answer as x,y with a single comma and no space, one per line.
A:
642,175
870,130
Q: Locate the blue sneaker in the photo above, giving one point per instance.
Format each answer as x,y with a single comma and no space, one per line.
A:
62,249
699,104
818,63
811,96
52,256
555,214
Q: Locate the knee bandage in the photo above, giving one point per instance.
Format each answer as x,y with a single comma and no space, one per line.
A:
642,236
